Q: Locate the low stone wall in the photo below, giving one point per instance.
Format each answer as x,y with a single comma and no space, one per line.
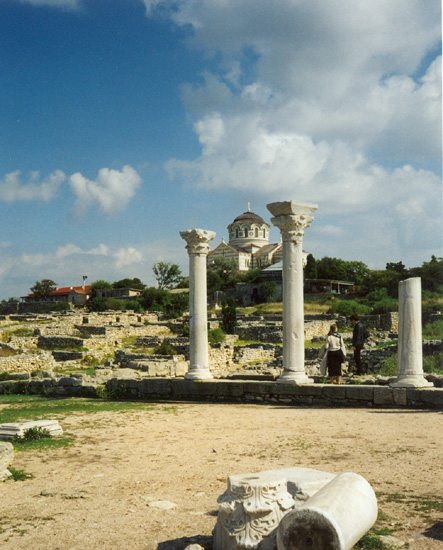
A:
27,362
59,342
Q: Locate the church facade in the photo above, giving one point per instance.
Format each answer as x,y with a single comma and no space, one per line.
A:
248,244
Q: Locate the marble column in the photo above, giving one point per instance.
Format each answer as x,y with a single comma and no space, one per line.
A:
410,344
335,518
292,218
198,247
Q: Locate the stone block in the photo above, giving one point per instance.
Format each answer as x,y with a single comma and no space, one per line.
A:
6,454
227,388
70,381
429,397
312,390
360,393
12,429
399,396
334,391
383,395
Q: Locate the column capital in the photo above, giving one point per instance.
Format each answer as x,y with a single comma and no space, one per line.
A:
292,218
197,240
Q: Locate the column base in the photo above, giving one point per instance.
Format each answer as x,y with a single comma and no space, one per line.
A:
295,378
411,381
198,375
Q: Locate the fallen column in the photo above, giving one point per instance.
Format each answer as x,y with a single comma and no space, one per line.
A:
334,518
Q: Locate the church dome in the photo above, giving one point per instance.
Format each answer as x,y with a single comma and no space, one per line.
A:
249,230
249,217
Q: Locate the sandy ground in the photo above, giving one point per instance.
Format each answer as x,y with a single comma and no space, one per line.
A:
96,494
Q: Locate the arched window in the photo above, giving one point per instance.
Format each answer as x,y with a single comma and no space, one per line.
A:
256,231
236,233
246,231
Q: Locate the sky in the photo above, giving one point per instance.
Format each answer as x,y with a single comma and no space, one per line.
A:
124,122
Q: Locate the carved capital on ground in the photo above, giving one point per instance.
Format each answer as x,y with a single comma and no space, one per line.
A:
249,511
197,240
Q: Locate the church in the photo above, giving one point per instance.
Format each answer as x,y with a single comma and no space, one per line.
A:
248,244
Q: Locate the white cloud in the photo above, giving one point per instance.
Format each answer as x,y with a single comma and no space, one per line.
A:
101,250
127,256
68,250
12,189
111,191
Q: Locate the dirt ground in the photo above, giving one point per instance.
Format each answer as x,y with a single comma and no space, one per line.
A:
101,492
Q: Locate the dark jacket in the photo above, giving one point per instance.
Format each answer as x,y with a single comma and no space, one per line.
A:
358,338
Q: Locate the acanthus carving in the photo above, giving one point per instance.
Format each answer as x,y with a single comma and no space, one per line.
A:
292,226
249,512
197,240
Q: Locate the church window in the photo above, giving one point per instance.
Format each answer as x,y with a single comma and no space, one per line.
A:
256,231
236,233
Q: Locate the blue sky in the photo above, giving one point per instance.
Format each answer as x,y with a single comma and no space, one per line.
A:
125,122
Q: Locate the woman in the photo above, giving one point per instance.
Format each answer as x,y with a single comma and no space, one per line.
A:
336,351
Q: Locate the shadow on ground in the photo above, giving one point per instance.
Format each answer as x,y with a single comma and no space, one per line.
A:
181,544
435,531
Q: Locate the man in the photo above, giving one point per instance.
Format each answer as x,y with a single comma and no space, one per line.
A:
358,340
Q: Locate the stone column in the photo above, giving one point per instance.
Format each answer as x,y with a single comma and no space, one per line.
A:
198,248
410,344
292,218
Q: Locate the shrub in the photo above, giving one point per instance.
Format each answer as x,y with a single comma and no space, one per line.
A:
165,348
229,316
389,366
348,307
176,305
433,330
433,364
385,306
216,335
33,434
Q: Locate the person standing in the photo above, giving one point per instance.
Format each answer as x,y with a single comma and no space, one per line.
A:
358,341
336,354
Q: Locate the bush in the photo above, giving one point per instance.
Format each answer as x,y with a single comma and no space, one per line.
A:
165,348
229,316
216,335
176,305
389,366
348,307
385,306
433,364
33,434
433,331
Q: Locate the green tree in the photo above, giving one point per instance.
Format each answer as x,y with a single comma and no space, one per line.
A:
129,283
267,291
153,298
42,289
221,274
311,271
99,285
229,315
398,267
167,274
431,274
331,268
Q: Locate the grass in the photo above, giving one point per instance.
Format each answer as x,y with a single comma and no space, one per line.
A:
432,364
433,331
18,475
20,331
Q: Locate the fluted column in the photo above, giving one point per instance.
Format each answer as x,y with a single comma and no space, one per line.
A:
198,247
292,218
410,344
